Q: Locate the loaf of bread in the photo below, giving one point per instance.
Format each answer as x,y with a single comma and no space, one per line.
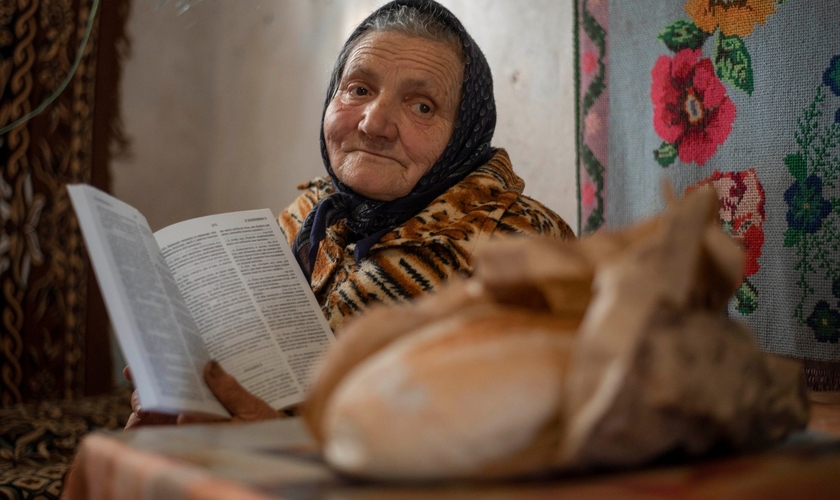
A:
609,351
474,395
373,331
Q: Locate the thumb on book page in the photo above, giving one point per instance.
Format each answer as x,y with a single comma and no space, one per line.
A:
244,406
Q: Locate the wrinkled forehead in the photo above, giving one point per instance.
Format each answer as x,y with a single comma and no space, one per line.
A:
420,62
451,39
400,46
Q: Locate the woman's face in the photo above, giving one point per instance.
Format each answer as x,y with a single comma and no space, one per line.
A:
393,113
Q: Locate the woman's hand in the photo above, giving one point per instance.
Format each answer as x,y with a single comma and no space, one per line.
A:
139,417
242,405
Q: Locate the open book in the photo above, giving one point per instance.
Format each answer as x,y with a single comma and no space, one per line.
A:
224,287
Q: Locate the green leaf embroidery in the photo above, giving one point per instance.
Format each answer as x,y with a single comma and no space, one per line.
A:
683,34
733,63
666,154
797,166
792,237
746,298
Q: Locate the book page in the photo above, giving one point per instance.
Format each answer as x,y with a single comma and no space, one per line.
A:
155,330
255,310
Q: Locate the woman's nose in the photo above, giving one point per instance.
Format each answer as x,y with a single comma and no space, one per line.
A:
379,120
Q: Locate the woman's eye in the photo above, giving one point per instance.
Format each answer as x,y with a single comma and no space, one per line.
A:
423,108
360,91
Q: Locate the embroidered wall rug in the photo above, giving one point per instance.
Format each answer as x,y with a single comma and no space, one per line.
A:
743,95
53,326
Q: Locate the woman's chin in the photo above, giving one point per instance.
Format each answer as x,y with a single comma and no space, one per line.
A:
379,193
376,182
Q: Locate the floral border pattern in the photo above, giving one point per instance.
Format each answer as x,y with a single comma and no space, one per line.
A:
591,47
813,215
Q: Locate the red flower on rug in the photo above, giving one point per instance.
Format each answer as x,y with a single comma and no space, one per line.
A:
690,107
742,214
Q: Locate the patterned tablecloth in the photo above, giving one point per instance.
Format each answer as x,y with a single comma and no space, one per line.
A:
276,460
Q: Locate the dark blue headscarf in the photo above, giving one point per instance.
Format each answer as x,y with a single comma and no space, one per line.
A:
468,149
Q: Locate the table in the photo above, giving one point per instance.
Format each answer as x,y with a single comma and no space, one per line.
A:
277,459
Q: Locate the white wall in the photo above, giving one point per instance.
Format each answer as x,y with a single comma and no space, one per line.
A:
223,103
529,47
166,109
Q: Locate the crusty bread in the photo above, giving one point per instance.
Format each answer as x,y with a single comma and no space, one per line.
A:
608,351
549,277
476,395
696,379
543,274
374,330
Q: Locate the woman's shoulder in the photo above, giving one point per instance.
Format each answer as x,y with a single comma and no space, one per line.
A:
292,217
521,214
460,213
319,188
486,203
312,192
528,216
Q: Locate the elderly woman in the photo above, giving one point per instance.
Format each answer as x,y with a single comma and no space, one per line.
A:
414,186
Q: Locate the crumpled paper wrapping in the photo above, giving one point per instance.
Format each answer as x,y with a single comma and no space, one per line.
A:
606,352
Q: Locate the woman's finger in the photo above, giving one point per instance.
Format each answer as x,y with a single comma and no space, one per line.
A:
127,374
150,418
133,421
244,406
135,403
141,417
